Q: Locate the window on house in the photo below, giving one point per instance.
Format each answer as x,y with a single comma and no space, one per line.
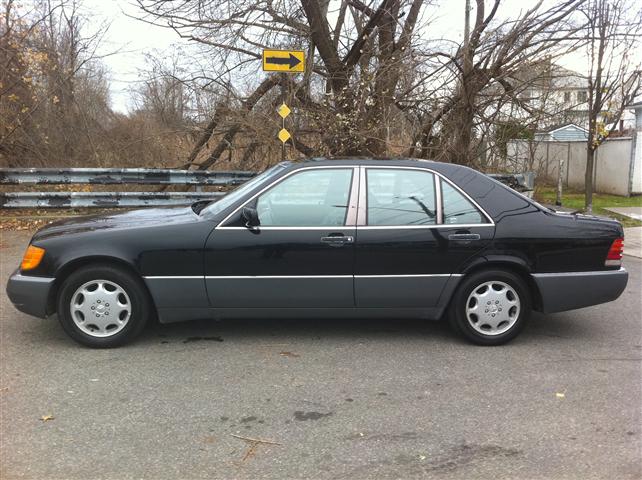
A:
567,96
581,96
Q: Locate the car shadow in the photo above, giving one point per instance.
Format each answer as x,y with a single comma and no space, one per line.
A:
361,329
558,326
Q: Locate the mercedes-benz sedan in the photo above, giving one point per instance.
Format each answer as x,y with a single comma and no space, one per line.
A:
397,238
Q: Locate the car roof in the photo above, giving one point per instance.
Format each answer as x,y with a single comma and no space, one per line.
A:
367,161
443,168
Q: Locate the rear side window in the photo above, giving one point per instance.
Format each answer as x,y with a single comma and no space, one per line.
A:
457,208
400,197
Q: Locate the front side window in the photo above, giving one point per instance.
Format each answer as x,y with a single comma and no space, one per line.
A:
400,197
311,198
236,194
457,208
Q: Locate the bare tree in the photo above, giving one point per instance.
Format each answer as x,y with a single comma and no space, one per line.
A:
489,71
613,32
55,96
358,62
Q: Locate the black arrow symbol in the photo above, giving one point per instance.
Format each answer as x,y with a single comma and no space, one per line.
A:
293,61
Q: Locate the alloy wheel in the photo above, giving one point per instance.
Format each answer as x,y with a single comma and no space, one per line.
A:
492,308
100,308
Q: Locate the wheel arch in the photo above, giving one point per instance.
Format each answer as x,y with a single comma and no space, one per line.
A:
514,265
73,265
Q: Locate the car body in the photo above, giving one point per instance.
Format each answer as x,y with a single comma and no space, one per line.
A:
341,237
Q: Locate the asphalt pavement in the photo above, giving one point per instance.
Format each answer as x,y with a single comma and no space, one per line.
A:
329,399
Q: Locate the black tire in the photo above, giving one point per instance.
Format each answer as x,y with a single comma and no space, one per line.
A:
134,288
457,315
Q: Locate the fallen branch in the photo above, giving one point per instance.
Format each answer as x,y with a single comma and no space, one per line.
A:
255,440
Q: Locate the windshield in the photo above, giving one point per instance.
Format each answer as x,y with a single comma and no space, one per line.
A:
221,204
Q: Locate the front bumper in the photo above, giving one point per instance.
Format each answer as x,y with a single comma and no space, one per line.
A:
571,290
29,294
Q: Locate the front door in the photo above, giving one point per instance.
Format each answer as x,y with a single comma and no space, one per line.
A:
301,254
409,242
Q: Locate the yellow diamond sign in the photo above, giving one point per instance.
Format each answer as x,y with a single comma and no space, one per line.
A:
284,110
284,135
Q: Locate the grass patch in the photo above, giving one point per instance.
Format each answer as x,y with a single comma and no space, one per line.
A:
575,200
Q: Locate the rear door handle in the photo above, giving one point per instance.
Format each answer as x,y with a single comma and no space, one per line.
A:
337,240
464,237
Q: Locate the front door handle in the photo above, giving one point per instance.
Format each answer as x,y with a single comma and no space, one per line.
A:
337,240
464,237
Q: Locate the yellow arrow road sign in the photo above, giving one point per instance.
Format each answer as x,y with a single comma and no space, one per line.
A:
284,61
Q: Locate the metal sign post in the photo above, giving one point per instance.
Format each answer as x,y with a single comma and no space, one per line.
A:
284,61
283,135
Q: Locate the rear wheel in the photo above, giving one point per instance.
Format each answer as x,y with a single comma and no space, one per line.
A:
490,307
103,306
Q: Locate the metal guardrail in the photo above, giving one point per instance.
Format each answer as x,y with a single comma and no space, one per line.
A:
523,182
119,176
112,176
101,199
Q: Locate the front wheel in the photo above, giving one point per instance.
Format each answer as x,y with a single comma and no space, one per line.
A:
490,307
103,306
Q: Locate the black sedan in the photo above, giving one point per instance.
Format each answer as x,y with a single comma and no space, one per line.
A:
398,238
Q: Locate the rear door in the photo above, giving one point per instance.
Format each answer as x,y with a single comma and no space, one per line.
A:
409,241
301,255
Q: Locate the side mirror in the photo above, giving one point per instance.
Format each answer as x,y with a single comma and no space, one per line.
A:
250,217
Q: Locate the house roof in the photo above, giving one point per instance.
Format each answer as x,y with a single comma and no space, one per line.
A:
566,126
556,128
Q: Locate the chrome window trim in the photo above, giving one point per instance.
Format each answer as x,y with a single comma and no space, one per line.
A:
363,189
328,228
353,200
424,227
440,199
221,225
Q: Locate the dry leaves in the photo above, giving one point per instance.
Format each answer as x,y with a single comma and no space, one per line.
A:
289,354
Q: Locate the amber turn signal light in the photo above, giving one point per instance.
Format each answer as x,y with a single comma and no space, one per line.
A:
32,258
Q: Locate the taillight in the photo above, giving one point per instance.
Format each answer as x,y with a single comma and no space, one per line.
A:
614,257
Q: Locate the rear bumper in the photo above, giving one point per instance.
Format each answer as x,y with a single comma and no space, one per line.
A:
29,294
567,291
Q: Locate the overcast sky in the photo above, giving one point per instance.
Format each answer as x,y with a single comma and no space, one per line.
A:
132,39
